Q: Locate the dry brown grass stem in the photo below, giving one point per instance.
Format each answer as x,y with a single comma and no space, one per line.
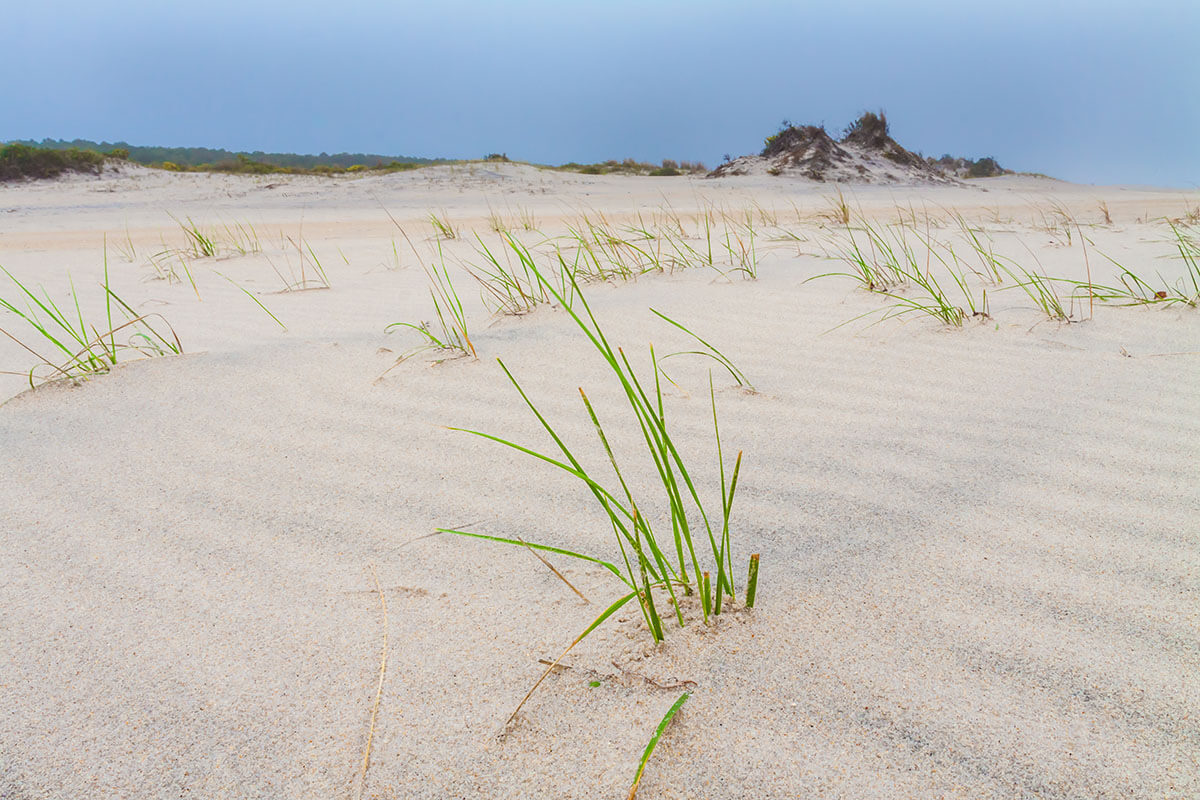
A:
550,567
366,760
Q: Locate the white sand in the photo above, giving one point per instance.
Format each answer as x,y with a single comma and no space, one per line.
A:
980,547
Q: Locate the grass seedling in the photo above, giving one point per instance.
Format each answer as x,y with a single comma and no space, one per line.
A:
1189,251
647,565
987,256
709,351
495,223
865,266
743,257
1135,290
1055,221
83,350
125,247
662,727
309,275
892,264
243,238
752,581
395,265
946,311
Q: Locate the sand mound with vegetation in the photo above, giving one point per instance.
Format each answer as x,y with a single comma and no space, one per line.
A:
866,153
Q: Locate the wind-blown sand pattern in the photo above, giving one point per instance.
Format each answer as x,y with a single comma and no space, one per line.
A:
980,546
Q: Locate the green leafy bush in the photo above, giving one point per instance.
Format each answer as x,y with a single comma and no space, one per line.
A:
20,161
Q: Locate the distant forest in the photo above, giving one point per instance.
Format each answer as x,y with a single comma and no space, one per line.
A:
190,157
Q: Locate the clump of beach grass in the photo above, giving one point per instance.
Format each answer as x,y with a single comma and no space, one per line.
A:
443,227
201,243
887,264
837,210
648,561
645,563
514,289
307,274
1134,289
80,349
450,333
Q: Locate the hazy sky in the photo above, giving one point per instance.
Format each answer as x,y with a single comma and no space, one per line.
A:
1096,91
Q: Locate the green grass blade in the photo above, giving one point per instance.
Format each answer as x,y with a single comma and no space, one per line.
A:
257,302
662,727
608,566
752,581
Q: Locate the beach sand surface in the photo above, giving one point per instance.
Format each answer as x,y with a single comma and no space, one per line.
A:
980,545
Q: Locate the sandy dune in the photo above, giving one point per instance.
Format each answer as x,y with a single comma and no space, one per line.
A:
980,546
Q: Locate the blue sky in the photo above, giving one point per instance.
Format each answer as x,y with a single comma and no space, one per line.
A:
1095,92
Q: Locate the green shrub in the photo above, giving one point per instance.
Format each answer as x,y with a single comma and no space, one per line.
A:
984,168
20,161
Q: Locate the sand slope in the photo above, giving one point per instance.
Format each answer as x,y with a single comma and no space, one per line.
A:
980,548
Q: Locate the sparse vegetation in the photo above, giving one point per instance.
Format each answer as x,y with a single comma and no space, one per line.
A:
709,351
632,167
204,159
